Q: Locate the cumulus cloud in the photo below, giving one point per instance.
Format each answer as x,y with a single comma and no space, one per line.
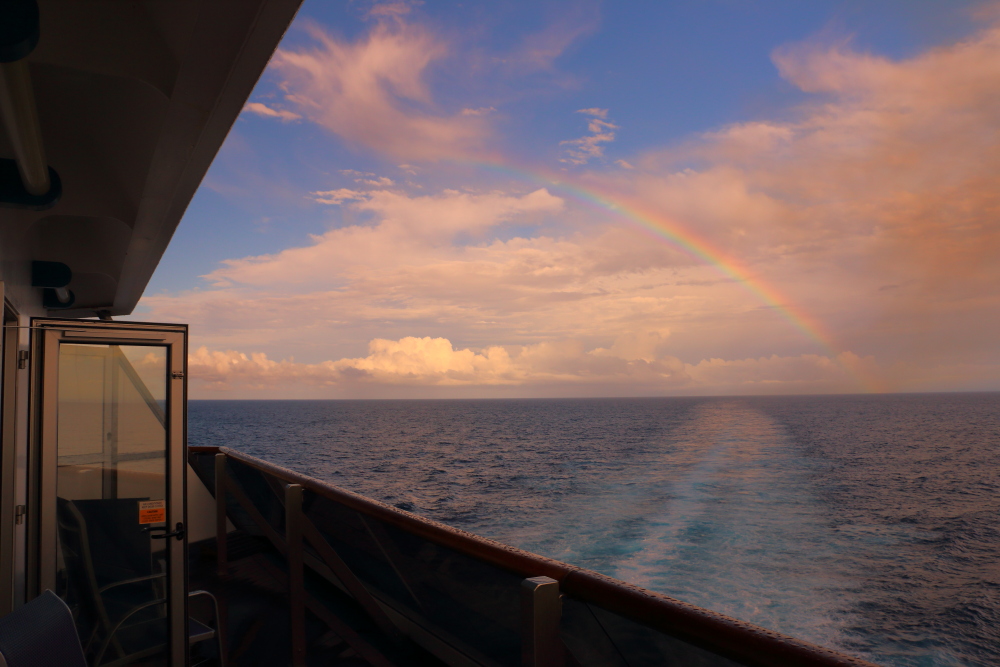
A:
372,93
262,109
436,362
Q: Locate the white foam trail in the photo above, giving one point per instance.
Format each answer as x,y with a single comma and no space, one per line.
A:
741,532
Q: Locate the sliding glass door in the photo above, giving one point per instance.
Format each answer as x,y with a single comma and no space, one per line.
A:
112,463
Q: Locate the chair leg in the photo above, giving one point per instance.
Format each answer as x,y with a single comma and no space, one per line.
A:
220,643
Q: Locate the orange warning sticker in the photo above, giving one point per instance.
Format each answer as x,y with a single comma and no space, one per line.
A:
152,511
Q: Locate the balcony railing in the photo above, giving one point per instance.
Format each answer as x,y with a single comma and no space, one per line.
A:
465,600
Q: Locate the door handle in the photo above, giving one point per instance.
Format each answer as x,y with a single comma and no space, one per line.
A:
178,533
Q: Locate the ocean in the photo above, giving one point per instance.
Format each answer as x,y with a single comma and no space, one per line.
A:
869,524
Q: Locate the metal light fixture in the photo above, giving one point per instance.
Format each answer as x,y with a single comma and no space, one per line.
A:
53,278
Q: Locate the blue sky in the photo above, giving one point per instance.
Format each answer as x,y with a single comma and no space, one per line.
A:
707,115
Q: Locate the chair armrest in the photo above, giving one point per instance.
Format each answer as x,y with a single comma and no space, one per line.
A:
136,580
107,641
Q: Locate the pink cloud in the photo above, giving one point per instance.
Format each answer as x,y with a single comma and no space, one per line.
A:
263,110
372,93
614,293
410,230
888,175
903,152
538,51
481,111
582,150
384,9
338,196
436,362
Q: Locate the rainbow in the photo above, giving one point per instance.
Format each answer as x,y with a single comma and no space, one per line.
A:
697,247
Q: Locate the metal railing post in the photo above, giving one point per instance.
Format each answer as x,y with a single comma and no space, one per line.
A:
541,609
296,583
221,542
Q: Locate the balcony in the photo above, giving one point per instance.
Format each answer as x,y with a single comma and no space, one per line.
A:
312,574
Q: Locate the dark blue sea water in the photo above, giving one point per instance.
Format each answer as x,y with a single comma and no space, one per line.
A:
870,524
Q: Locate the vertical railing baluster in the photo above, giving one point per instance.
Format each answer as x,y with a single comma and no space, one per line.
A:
541,610
296,583
221,542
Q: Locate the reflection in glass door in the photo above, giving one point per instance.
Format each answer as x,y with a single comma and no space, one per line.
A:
111,497
112,468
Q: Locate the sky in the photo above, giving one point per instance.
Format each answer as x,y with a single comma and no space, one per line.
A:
561,199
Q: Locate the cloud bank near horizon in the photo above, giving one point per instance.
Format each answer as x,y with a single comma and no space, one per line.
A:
634,362
634,365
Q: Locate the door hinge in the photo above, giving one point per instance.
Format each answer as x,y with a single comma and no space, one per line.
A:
177,375
19,512
22,358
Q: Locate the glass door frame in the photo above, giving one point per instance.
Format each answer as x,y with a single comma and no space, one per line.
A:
49,334
13,472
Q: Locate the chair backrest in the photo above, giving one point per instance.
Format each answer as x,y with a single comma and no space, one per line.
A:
41,634
102,543
119,547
